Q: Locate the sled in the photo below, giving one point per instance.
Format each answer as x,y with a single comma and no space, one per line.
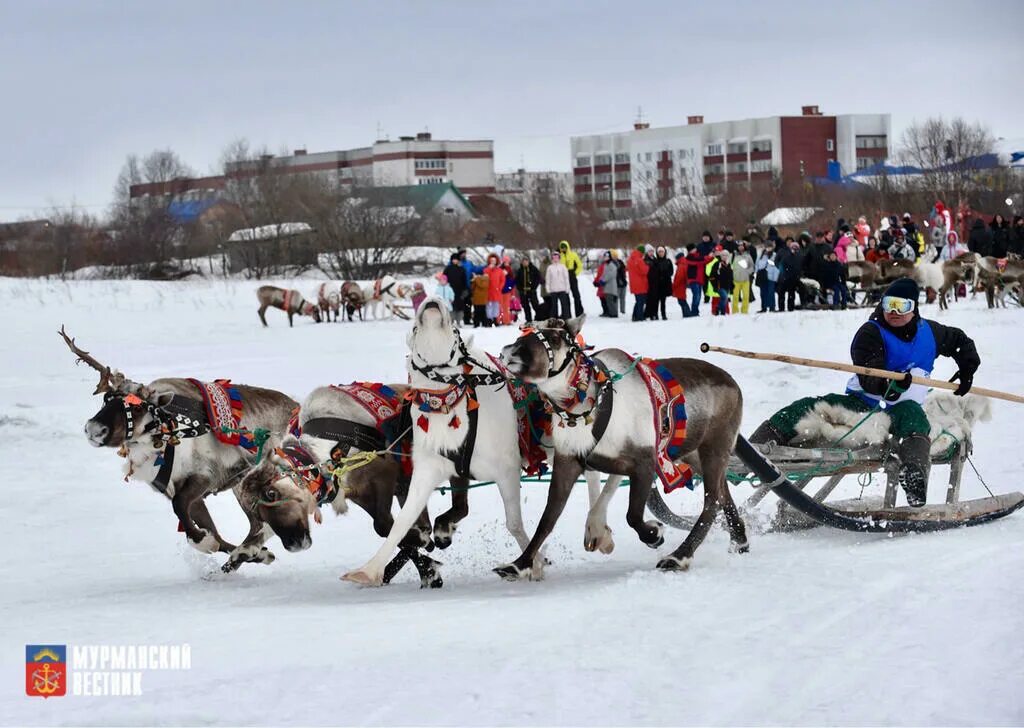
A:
788,471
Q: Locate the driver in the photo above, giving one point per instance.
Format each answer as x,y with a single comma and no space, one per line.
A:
896,338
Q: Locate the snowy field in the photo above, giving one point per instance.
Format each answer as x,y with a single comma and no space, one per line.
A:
819,627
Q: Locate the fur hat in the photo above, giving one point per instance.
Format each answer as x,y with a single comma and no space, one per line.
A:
648,249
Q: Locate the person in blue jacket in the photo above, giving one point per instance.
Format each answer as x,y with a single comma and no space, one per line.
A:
896,338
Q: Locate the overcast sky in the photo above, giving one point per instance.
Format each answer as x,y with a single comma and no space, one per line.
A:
87,83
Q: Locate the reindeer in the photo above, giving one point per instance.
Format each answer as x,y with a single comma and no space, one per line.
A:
289,301
163,432
335,426
863,273
1004,273
608,422
352,295
958,270
382,294
449,425
328,300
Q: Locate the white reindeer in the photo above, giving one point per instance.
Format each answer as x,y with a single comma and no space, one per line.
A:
381,296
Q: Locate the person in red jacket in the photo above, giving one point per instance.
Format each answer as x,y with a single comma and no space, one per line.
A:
679,283
636,271
695,262
496,274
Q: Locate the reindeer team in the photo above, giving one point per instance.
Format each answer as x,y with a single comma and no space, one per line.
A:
460,418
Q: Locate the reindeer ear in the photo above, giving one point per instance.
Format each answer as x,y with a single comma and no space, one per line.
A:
161,399
575,325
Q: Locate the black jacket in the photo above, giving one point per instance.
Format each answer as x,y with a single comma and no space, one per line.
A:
721,277
527,280
832,273
790,264
1017,237
659,278
456,275
1000,239
814,262
979,241
868,348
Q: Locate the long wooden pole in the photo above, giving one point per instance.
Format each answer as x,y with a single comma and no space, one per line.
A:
854,369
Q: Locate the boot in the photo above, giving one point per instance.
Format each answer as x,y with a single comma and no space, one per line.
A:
767,432
915,465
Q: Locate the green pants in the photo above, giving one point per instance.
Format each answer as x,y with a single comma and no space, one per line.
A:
906,418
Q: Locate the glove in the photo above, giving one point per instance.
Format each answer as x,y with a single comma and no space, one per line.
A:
897,388
966,380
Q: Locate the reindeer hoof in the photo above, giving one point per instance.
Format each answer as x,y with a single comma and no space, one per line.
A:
362,578
658,537
207,545
672,563
511,572
739,548
602,543
443,536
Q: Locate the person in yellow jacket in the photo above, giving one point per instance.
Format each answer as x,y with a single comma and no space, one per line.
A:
574,264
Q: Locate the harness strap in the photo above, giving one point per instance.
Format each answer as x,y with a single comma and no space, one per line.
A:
464,455
163,476
345,433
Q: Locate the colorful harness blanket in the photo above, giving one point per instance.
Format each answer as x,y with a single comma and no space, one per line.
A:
223,405
385,406
669,405
532,420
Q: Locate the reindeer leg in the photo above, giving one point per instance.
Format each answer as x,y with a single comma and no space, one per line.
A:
447,522
262,311
251,550
566,470
290,322
651,533
193,489
597,536
203,519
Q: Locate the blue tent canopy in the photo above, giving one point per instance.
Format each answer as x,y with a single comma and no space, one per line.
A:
186,211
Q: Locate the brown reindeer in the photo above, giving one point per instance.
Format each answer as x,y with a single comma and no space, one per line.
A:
353,298
1003,274
335,425
607,422
864,273
958,270
328,300
289,301
163,432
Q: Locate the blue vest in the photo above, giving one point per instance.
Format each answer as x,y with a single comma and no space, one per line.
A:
916,356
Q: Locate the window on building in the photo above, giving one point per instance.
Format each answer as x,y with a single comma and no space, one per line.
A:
647,157
650,174
622,176
713,150
830,145
761,145
621,158
582,179
604,178
714,169
584,196
864,162
605,194
737,168
624,194
761,165
583,161
431,180
600,159
872,141
737,148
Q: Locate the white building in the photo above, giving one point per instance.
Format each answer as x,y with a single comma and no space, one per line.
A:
645,167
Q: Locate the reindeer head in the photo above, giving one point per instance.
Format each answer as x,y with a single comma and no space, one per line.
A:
433,340
280,497
544,350
128,407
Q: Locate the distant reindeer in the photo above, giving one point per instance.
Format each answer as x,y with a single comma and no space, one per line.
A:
163,432
381,296
328,300
998,275
289,301
353,298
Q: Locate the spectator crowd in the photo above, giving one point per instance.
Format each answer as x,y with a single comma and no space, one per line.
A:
719,273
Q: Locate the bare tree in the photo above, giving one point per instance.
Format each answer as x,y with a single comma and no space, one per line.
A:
947,153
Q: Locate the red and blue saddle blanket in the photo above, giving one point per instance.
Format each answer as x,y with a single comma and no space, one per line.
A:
223,405
669,405
390,416
533,421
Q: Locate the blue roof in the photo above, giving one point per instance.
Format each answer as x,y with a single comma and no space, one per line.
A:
186,211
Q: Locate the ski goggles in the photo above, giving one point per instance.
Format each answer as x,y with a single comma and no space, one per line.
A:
895,304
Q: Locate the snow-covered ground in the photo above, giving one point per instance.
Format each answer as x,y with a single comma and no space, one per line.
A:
819,627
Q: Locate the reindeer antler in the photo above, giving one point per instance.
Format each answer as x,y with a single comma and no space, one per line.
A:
84,356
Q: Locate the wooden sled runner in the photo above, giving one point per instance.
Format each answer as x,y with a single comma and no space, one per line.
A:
774,464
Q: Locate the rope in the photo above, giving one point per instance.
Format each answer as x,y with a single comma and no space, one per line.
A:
616,376
971,463
259,436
